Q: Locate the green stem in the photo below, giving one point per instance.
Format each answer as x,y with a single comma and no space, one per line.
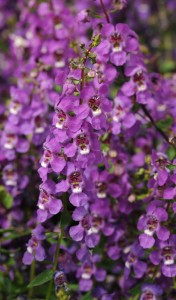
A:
83,69
32,275
55,263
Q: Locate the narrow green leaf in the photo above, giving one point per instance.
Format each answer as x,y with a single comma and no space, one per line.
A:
87,296
73,287
5,197
7,200
165,124
136,290
105,147
171,153
171,167
66,218
58,88
41,278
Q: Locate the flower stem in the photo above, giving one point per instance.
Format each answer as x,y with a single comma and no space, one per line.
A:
146,112
104,10
60,235
83,69
32,275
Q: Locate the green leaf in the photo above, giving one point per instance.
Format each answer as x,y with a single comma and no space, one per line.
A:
5,197
66,218
111,170
87,296
2,188
96,16
136,297
73,287
58,88
7,200
167,66
105,147
171,167
104,137
96,40
165,124
71,113
171,153
41,278
136,289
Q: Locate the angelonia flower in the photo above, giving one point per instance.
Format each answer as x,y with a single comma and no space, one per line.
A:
28,111
84,114
87,154
60,280
34,248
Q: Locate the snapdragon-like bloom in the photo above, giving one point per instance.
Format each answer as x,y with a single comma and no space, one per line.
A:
48,205
121,40
166,256
151,224
133,261
150,291
34,248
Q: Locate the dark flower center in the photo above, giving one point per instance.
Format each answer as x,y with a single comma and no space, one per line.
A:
75,177
167,252
148,296
61,115
152,223
9,173
85,223
16,104
87,269
10,137
162,162
118,111
96,221
60,279
82,142
116,39
132,258
44,196
39,121
101,188
34,242
139,78
94,103
48,155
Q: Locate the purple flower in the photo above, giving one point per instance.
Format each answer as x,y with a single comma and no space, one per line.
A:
86,228
60,280
166,255
150,224
150,291
121,114
122,40
48,205
10,176
160,163
34,248
53,156
10,141
101,184
68,114
133,261
85,274
96,105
